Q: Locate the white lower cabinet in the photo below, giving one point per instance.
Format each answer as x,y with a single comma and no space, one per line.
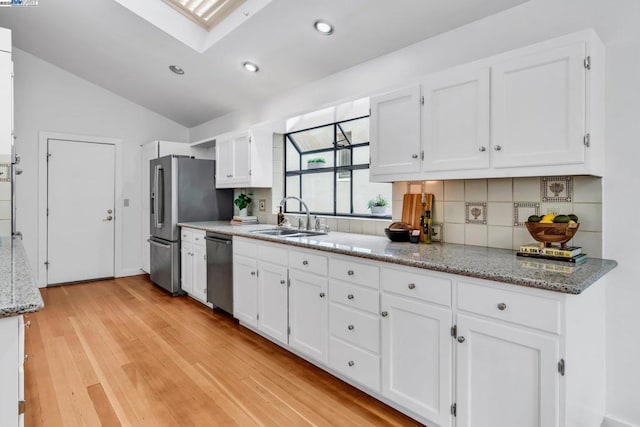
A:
444,349
308,310
497,364
12,371
193,264
417,357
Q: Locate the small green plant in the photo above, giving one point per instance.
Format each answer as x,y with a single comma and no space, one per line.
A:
378,201
243,200
317,160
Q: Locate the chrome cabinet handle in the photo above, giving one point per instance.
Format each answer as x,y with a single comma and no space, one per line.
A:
497,148
108,218
350,272
351,327
253,273
321,294
412,286
414,156
502,306
351,363
350,296
229,176
282,282
482,148
460,340
384,314
305,262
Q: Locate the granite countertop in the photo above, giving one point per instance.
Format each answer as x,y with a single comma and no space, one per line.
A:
19,292
500,265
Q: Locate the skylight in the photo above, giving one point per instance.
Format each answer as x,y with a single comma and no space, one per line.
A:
206,13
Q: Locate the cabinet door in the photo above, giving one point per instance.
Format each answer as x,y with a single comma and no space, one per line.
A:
224,161
308,309
455,119
186,267
506,376
272,301
245,290
538,108
394,132
199,285
241,159
416,357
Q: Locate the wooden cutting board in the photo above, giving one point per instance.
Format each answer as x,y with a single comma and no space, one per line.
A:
412,209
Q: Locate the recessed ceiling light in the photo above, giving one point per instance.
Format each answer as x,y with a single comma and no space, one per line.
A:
176,69
250,66
323,27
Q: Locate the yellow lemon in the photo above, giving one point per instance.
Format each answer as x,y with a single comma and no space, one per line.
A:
548,218
544,221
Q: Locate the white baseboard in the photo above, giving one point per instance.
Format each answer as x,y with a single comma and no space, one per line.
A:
613,422
130,272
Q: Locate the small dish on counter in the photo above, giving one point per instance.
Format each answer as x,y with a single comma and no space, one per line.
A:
398,232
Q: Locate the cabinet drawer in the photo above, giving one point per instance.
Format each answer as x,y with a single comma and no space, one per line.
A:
355,363
186,234
308,261
523,309
198,237
354,272
245,247
273,254
355,296
417,285
355,327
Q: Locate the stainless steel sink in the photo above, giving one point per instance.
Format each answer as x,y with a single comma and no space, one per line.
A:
287,232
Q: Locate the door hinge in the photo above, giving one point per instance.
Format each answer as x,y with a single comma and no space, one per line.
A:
587,140
46,264
249,139
422,155
47,211
561,367
422,100
454,409
48,155
454,331
587,62
21,407
288,330
288,282
258,316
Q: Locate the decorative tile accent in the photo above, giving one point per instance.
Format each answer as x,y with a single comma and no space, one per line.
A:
5,172
476,213
522,211
556,188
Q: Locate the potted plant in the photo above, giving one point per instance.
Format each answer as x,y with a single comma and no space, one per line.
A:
316,163
242,202
378,205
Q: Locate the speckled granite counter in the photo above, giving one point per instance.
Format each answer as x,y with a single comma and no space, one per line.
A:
500,265
19,292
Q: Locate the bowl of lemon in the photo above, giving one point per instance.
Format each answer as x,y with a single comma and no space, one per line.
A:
553,228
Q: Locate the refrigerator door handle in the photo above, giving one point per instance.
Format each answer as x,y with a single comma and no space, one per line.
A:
162,245
157,197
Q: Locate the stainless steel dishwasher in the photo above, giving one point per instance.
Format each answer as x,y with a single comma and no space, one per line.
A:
220,271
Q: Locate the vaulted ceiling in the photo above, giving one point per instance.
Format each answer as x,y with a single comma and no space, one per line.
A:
109,45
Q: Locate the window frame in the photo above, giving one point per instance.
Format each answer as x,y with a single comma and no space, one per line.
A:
335,169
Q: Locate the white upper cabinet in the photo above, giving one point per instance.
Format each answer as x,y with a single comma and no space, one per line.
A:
395,132
538,108
533,111
244,159
455,119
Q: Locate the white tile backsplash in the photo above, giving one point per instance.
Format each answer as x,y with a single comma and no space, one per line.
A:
591,242
521,237
436,188
475,190
343,225
454,191
355,226
368,227
589,216
454,212
500,190
500,213
454,233
500,237
475,234
5,190
587,189
526,189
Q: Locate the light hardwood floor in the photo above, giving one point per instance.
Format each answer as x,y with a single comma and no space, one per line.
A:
122,352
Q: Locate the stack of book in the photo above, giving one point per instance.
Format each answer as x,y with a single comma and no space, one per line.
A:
244,220
571,254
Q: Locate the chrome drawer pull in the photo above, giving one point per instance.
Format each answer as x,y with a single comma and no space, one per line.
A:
412,285
351,363
384,314
350,296
351,327
460,340
282,282
350,272
321,294
305,262
502,306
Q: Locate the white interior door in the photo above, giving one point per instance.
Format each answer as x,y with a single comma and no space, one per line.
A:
80,201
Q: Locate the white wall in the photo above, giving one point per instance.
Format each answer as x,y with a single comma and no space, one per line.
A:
48,98
617,24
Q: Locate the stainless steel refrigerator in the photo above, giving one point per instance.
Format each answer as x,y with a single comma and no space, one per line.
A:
182,189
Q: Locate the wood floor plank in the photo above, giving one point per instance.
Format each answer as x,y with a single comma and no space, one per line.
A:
123,352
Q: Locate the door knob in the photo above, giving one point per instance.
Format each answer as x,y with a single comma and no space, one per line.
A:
109,218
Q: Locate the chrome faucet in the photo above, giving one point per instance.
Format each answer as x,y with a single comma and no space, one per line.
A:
304,205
